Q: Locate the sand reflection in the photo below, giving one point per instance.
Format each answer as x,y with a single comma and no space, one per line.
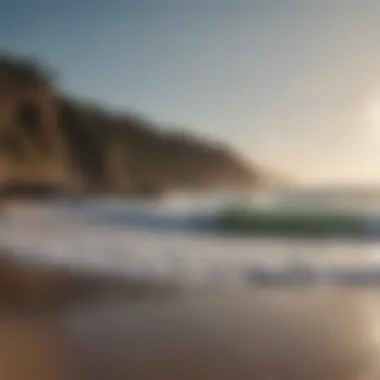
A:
234,334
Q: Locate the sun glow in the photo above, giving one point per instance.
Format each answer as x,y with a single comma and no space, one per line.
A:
373,112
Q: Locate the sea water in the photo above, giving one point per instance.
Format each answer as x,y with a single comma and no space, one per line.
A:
250,308
163,240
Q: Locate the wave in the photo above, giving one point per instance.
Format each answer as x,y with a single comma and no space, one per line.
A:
85,234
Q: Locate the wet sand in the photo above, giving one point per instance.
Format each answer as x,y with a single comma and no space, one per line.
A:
32,349
321,335
60,325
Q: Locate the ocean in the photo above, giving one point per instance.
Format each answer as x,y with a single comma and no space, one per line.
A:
250,307
162,241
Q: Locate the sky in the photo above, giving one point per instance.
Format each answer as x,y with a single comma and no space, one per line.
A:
293,84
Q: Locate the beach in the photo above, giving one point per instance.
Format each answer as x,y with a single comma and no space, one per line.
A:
161,332
109,301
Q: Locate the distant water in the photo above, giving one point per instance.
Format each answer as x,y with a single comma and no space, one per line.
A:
126,237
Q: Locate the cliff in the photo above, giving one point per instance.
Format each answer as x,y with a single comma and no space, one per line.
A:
53,143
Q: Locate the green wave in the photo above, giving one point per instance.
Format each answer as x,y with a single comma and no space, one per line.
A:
303,222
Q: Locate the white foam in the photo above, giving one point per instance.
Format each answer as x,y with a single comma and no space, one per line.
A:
76,235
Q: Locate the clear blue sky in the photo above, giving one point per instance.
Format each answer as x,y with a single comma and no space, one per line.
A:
293,84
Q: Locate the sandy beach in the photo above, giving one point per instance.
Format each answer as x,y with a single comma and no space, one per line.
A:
57,328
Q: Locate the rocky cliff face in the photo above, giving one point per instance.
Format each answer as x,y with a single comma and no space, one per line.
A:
50,142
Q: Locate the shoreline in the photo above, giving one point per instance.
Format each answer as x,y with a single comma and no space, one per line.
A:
85,327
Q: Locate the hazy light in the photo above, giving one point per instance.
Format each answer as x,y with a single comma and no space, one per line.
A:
373,113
